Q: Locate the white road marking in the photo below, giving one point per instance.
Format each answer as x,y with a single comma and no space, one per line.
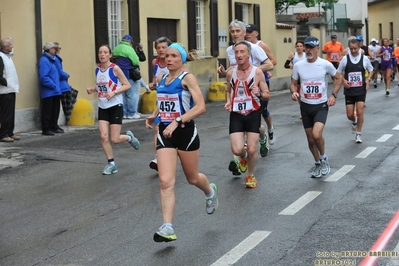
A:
366,152
241,249
340,173
384,138
300,203
396,128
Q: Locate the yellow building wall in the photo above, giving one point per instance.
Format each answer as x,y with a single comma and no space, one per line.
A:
22,30
384,13
74,30
283,50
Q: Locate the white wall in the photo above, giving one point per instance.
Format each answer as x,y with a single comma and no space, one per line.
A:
355,10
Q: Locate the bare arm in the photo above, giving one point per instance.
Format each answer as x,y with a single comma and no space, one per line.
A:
269,53
267,65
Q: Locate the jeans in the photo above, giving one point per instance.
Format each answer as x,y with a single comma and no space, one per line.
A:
131,99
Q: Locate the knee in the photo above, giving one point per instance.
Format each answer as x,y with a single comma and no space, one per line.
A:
317,137
252,151
104,137
115,140
166,183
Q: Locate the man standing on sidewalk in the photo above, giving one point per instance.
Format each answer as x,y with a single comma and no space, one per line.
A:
314,100
9,86
127,61
354,66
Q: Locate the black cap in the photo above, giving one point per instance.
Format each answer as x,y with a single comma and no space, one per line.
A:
333,36
312,41
251,27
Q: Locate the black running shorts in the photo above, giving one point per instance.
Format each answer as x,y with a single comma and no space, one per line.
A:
245,123
113,115
183,138
353,99
312,113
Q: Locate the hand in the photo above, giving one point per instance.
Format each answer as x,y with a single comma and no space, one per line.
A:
148,121
331,100
255,90
168,131
221,69
346,84
227,106
109,95
270,74
295,96
90,90
152,86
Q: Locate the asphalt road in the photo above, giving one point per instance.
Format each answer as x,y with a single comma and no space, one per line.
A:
58,209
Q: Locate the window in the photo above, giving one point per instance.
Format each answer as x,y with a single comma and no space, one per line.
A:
391,30
115,21
200,26
245,13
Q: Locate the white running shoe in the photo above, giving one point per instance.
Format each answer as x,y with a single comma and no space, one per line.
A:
358,138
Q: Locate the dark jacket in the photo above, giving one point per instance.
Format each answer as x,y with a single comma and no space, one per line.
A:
63,75
49,78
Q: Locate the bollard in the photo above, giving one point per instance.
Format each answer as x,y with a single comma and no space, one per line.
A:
82,113
217,91
148,102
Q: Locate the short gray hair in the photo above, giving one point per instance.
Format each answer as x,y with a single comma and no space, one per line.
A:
5,42
161,40
246,43
239,24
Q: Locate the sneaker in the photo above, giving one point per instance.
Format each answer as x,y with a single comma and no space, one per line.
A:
250,181
124,117
165,234
316,170
272,139
110,169
135,116
375,84
233,167
134,142
212,203
154,164
358,138
264,147
353,128
386,91
325,166
242,164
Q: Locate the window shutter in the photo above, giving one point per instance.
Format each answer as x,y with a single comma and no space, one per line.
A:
134,20
213,10
257,18
238,11
100,24
191,25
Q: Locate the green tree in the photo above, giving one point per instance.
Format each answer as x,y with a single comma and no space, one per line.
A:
282,5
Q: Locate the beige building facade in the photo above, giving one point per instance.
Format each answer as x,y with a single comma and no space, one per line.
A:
382,19
81,26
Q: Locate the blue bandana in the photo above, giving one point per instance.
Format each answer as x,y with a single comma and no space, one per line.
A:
181,50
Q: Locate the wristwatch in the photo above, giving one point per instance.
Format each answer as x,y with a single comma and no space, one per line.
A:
116,92
178,120
335,95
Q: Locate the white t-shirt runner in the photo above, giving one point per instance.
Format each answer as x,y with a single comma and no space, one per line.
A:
313,79
258,56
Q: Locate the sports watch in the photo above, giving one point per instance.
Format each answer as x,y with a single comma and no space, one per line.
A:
178,120
335,95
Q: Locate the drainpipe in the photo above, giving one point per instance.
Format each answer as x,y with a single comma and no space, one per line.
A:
38,29
366,22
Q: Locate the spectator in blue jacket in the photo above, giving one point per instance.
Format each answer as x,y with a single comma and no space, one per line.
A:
50,90
64,76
